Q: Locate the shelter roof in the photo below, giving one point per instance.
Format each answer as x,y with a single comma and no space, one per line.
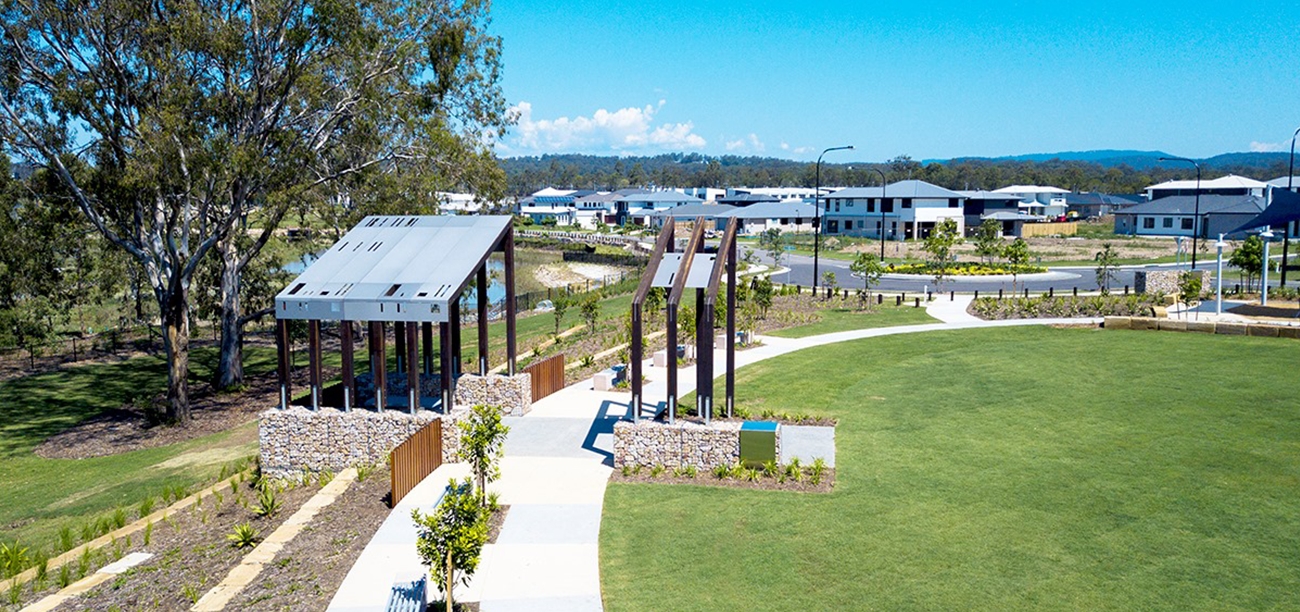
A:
394,268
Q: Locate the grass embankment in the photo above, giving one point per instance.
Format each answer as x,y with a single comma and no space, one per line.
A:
41,496
846,319
1026,468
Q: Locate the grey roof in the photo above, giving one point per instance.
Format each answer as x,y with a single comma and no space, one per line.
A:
989,195
598,198
1095,198
1210,204
394,268
746,199
1281,181
910,188
695,210
1006,215
660,196
773,210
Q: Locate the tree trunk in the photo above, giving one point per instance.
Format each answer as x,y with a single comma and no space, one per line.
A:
176,343
450,573
230,364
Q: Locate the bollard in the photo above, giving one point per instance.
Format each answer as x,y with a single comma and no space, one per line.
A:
880,298
1051,292
1026,293
929,296
999,294
952,296
903,295
1125,289
977,294
798,289
917,304
846,294
1076,292
898,300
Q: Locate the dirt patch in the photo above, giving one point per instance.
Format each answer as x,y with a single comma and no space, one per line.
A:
191,553
308,571
496,522
709,479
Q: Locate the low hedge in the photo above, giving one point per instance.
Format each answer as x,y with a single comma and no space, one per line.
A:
1065,306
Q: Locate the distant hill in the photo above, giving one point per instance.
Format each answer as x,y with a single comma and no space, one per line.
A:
1138,160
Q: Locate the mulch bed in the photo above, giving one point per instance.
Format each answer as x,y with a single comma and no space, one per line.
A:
308,571
708,479
191,553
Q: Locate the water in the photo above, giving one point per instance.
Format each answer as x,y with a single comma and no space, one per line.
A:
496,288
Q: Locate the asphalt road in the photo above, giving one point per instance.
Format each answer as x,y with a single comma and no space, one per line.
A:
1060,280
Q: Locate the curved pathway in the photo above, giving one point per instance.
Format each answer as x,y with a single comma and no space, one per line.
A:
557,462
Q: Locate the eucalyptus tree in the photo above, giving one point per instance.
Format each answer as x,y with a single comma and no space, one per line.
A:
206,121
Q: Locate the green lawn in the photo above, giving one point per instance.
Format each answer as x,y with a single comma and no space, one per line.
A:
42,495
1021,468
844,319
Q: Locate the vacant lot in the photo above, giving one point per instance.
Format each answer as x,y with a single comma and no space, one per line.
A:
1029,468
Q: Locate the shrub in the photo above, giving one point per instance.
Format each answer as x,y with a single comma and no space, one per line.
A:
146,506
268,503
244,536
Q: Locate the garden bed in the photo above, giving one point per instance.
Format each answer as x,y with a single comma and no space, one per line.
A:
964,268
1064,307
780,478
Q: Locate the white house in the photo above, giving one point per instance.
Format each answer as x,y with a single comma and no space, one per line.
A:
1038,200
457,203
1231,185
1283,182
782,194
906,209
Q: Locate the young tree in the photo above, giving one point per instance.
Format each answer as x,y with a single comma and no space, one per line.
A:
197,118
939,245
1189,289
868,268
561,303
988,240
830,282
482,443
1248,258
1017,256
773,243
591,312
450,541
1107,260
763,291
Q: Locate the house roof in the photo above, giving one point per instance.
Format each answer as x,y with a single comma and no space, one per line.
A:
773,210
1231,181
746,199
1095,198
598,198
695,210
1031,189
1210,204
553,192
989,195
1006,215
394,268
1281,181
902,189
660,196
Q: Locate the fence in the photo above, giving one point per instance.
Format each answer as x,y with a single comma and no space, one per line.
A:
547,376
581,237
415,459
1066,228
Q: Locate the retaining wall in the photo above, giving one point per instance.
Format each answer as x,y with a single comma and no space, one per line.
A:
513,394
1205,327
683,443
298,440
1164,282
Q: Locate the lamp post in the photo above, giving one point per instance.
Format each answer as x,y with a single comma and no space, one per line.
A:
1196,215
883,182
1267,235
1286,234
817,211
1218,278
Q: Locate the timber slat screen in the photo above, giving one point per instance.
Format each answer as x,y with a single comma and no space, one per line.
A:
547,376
415,459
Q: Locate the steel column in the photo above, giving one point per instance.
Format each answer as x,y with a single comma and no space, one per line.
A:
731,327
399,344
313,360
412,368
510,300
284,358
483,320
349,358
670,312
455,339
634,368
379,364
426,331
444,364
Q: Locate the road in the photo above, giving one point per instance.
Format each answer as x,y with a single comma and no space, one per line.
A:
1060,280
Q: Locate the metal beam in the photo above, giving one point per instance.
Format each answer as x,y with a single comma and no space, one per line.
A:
663,244
313,361
674,299
444,363
284,359
379,364
483,320
412,368
511,353
349,364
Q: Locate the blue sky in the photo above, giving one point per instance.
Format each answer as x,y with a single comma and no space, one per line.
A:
926,79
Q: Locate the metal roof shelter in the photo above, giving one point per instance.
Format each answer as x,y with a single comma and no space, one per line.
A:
695,268
410,271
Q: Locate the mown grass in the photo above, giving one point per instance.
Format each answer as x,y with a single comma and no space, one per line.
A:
1025,468
40,495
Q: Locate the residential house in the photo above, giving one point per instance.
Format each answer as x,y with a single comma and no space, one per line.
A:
747,199
1001,207
1093,204
760,217
782,194
686,216
1038,200
1283,182
1230,185
457,203
908,210
1175,215
637,208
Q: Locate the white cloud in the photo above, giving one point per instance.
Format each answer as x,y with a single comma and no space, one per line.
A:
750,144
1266,147
624,129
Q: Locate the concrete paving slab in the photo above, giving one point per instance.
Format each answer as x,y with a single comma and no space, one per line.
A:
551,524
807,443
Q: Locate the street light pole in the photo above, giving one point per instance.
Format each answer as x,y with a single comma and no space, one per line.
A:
1196,215
883,182
817,212
1286,233
1267,235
